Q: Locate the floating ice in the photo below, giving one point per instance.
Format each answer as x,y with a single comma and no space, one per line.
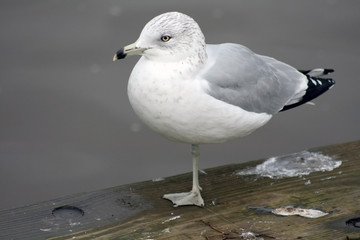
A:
293,165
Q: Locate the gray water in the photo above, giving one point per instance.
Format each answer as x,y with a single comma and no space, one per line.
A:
66,125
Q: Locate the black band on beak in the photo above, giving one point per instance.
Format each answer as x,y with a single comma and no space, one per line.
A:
120,54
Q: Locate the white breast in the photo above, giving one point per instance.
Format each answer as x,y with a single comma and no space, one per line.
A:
181,110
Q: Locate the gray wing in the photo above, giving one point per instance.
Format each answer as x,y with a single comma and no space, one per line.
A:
252,82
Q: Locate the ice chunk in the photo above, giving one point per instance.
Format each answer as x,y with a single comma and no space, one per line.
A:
290,211
297,164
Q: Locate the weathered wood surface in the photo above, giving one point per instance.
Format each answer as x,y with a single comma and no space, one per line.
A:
136,211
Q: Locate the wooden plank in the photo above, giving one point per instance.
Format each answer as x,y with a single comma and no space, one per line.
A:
136,211
71,214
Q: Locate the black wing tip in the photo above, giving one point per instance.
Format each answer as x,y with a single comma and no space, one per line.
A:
328,70
316,87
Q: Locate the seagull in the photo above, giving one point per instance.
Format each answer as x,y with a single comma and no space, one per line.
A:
197,93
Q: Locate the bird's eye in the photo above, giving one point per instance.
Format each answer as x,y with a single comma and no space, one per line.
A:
165,38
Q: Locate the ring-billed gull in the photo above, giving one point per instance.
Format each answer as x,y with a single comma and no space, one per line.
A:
196,93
